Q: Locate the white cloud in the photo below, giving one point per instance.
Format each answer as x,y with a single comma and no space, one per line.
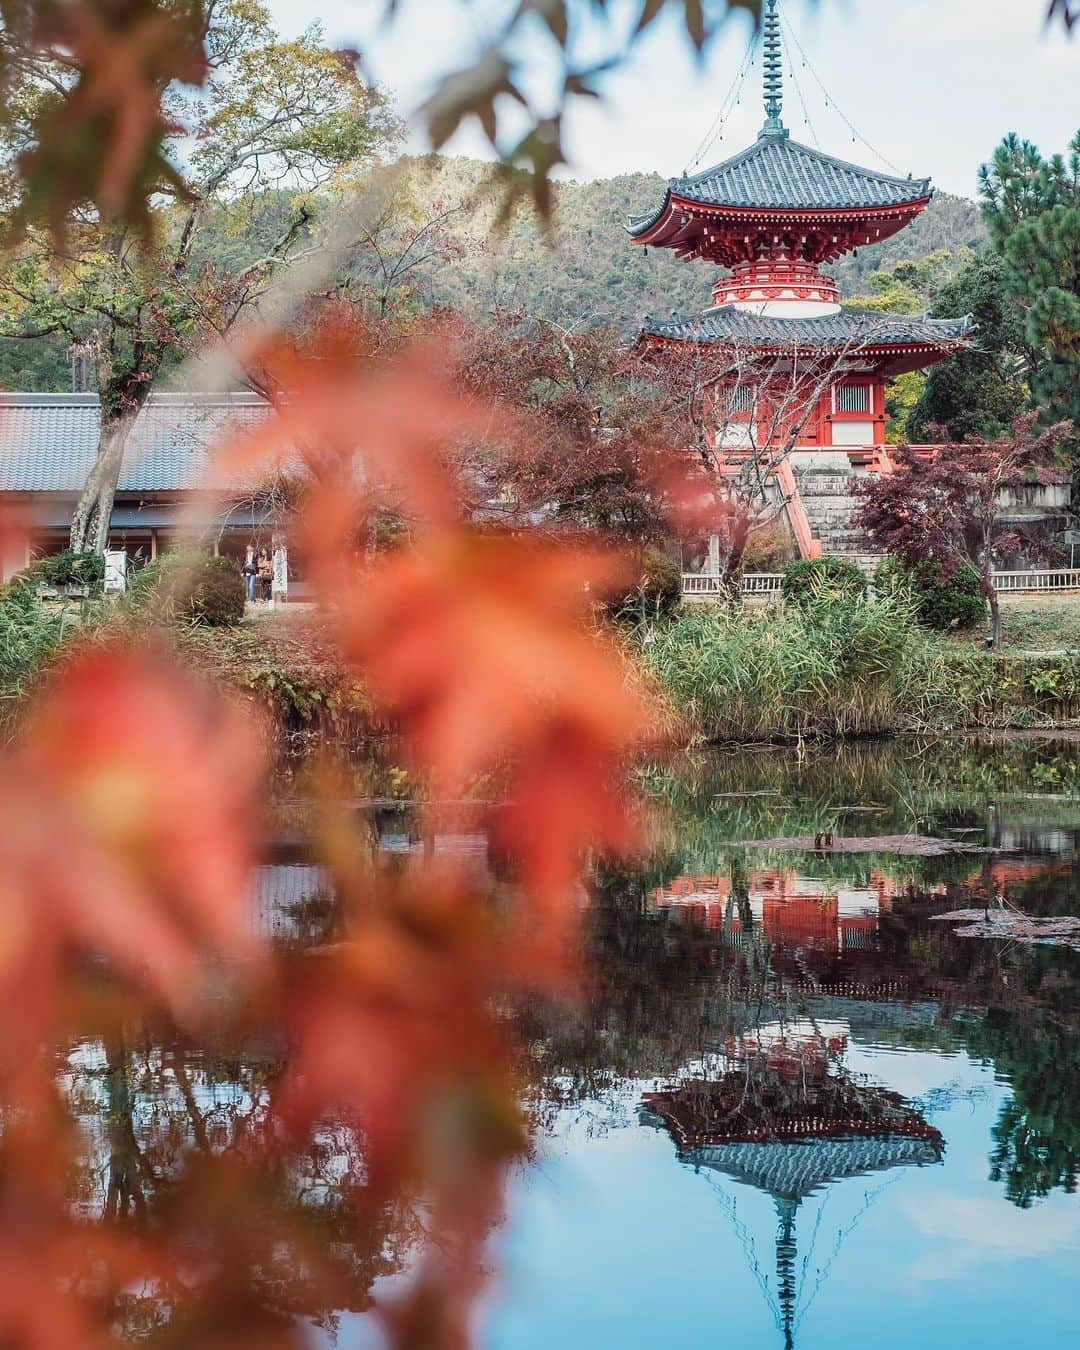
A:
931,85
987,1229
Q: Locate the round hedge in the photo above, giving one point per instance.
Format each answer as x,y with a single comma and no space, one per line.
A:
813,579
945,601
181,589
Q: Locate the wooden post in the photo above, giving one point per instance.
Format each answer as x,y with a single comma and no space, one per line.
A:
153,545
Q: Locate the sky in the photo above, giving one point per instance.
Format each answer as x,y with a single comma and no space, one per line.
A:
930,86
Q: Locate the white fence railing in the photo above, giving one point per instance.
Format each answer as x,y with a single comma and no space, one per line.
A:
1047,579
768,583
753,583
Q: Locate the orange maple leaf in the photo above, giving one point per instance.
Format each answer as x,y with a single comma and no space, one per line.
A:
474,641
151,783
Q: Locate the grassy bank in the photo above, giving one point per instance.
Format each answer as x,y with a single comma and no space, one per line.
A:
1040,622
847,670
757,674
287,667
31,633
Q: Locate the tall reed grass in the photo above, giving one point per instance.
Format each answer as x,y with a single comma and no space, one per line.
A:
30,633
844,668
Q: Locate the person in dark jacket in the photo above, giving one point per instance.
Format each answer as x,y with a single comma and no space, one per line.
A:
265,567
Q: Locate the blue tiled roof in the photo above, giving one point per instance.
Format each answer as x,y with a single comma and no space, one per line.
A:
793,1168
48,441
861,327
776,173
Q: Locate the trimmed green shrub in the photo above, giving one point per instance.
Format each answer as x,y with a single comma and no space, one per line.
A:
946,603
815,579
179,588
657,592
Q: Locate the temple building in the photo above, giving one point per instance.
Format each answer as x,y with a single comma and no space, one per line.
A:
806,374
47,447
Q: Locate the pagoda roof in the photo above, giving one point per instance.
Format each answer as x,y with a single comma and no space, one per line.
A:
792,1169
857,328
779,174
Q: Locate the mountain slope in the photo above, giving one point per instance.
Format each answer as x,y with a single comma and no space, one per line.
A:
588,269
581,269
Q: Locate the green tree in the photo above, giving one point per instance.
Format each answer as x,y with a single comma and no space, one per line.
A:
1031,206
1036,1139
907,287
272,114
978,393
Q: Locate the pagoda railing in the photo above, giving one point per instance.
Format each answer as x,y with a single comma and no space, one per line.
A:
809,547
768,583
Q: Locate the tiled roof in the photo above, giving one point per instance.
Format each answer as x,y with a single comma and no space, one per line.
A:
48,441
858,327
776,173
791,1169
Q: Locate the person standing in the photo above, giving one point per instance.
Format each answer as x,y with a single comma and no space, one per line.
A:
280,562
265,567
249,572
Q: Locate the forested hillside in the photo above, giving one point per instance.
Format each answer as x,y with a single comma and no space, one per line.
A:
440,212
586,267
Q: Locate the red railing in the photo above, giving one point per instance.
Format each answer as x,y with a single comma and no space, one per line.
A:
809,547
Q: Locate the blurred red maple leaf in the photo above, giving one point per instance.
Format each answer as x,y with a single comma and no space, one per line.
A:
132,807
102,139
366,423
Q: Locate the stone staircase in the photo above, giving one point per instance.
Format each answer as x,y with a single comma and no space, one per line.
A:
825,489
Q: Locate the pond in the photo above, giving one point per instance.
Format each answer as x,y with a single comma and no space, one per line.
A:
802,1111
793,1108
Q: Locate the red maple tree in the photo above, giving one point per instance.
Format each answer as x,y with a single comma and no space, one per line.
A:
948,506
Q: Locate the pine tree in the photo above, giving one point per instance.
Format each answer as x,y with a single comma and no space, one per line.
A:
978,392
1031,207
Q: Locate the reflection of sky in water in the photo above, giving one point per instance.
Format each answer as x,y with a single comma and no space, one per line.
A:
612,1241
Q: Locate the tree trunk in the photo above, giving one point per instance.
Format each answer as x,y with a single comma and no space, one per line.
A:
93,511
995,615
733,566
124,1195
740,892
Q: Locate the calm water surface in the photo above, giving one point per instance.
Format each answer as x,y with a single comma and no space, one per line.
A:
796,1111
804,1113
793,1109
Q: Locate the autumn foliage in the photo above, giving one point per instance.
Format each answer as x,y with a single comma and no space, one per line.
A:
133,803
373,1106
949,509
309,1118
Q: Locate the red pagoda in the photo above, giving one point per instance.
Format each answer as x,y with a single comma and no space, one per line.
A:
773,217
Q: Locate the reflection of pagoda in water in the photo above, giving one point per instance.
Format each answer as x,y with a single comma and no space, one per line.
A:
790,909
792,935
787,1119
